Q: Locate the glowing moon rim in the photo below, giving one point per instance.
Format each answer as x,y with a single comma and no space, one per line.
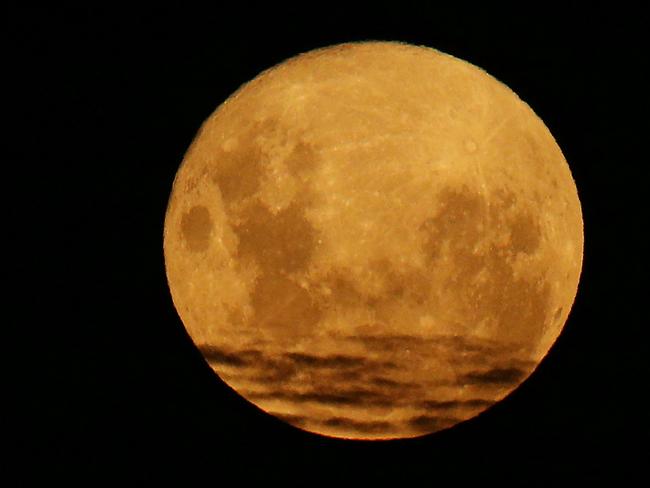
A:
373,240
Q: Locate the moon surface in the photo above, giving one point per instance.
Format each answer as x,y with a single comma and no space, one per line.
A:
373,240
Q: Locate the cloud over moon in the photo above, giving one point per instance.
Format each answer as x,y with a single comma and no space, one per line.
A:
363,427
453,404
333,361
498,376
305,389
430,423
349,397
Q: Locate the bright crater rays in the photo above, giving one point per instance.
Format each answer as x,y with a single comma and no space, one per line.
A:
373,240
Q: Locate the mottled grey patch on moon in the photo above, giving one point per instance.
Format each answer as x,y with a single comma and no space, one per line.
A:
504,300
196,226
277,242
238,173
525,234
303,158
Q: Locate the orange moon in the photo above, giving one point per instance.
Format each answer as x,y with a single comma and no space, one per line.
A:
373,240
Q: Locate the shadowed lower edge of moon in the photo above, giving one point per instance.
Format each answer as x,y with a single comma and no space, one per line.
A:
361,396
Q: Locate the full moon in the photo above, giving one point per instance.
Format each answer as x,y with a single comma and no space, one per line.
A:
373,240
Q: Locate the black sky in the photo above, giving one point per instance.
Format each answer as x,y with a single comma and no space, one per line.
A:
110,387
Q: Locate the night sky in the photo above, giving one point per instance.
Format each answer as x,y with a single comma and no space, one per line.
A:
108,385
